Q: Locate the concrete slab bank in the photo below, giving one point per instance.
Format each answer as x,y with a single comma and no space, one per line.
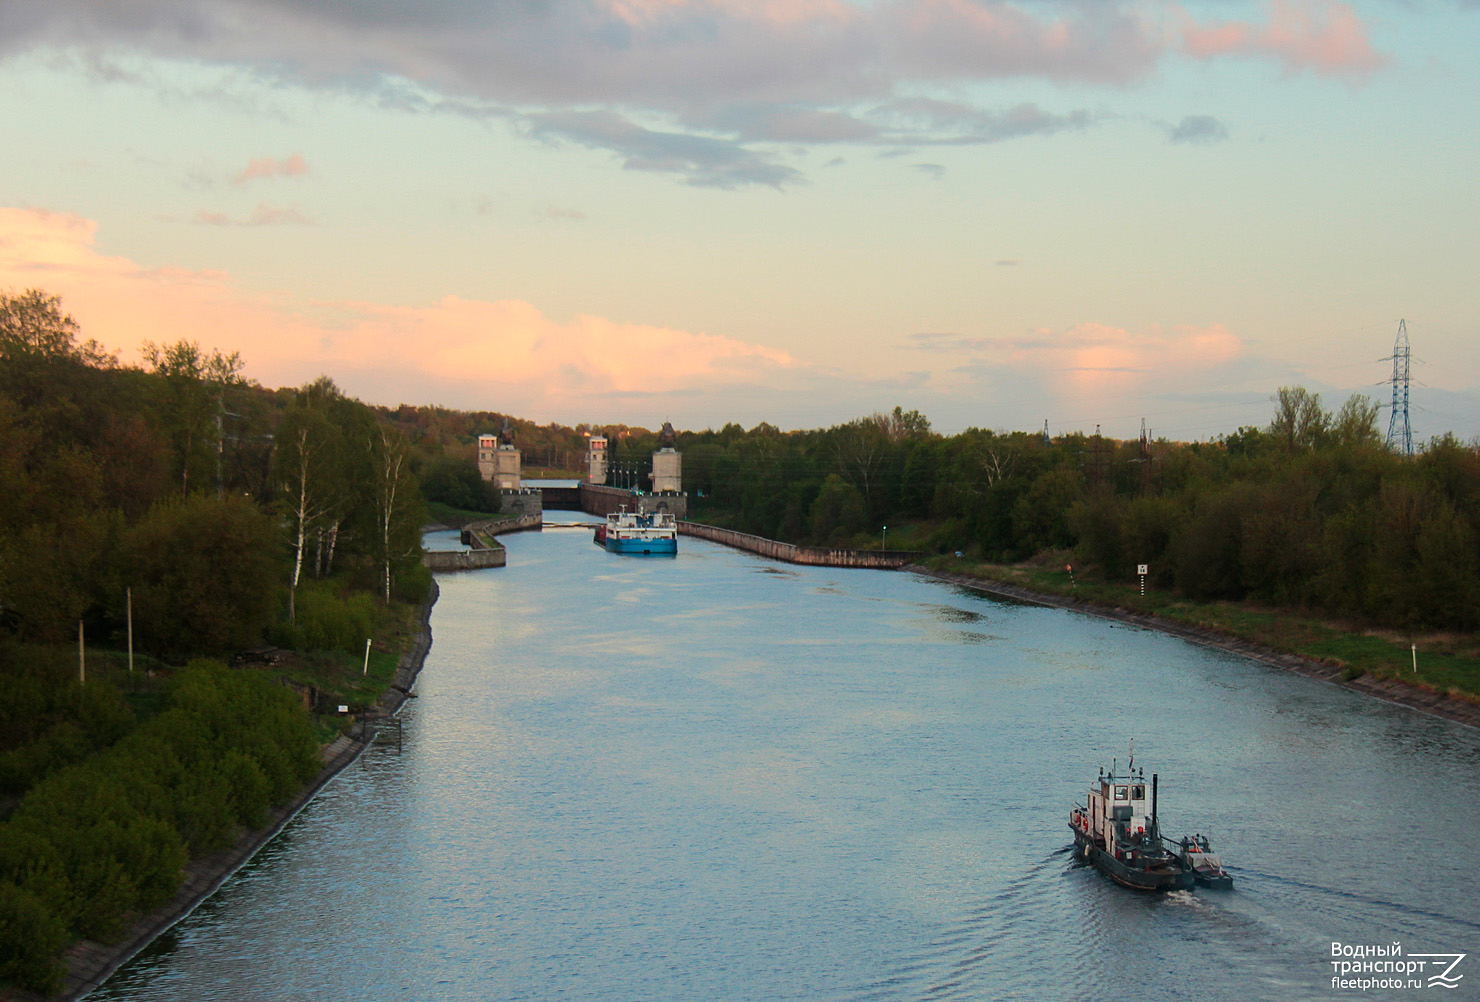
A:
91,962
1393,690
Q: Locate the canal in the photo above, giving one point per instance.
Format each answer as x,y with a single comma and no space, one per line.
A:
716,777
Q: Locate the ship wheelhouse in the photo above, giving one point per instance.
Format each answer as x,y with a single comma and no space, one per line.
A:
1120,810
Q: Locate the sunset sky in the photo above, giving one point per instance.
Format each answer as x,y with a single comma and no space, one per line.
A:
798,211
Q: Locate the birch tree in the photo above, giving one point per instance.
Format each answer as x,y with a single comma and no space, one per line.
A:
307,443
397,502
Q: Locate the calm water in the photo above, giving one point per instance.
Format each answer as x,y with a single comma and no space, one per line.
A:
714,777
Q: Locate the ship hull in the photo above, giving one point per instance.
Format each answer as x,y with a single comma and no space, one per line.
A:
1174,877
658,547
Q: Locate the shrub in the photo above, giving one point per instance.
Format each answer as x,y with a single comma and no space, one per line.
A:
31,936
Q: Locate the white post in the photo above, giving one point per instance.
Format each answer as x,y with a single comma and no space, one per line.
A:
129,593
1415,658
367,657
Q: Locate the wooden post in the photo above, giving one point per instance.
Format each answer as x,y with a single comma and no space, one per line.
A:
367,657
81,662
129,615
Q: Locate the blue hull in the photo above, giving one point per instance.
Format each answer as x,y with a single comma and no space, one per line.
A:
643,547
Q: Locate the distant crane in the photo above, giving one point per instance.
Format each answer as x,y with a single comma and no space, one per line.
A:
1400,433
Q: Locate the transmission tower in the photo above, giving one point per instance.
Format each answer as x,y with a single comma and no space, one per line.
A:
1400,435
1145,458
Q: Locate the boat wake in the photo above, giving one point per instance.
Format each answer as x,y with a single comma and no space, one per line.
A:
1365,899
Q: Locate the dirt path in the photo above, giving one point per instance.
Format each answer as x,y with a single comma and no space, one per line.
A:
1391,689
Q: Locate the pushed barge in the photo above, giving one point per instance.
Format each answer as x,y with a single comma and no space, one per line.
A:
1116,834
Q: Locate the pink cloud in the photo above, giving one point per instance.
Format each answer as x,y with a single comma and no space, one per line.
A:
1325,36
263,167
1092,368
1099,357
505,354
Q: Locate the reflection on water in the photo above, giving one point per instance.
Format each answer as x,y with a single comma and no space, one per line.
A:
685,779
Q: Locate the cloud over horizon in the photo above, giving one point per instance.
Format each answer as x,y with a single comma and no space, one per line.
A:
460,352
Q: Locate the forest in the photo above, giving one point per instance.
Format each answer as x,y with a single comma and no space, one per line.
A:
1311,512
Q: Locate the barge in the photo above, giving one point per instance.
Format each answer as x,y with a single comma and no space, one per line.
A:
650,533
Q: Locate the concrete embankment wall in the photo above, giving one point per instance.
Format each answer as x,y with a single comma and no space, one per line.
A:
503,526
819,556
483,550
464,560
599,499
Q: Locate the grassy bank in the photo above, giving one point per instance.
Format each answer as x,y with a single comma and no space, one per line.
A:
1447,662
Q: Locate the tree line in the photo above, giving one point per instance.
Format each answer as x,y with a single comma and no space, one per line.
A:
1310,511
179,485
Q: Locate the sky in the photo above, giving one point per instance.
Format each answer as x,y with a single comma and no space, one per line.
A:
1079,212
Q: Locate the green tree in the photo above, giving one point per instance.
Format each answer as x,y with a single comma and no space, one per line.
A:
839,511
309,472
1355,425
195,382
33,326
1299,422
203,572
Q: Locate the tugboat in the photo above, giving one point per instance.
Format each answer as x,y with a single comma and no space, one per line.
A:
1117,836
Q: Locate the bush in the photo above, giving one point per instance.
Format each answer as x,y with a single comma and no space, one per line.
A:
96,842
331,621
47,720
31,937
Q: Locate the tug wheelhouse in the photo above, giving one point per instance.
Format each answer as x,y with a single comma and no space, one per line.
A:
1116,831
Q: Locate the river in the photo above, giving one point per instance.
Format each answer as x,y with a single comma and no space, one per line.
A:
717,777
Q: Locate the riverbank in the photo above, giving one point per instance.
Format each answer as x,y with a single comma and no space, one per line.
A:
90,962
1394,690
